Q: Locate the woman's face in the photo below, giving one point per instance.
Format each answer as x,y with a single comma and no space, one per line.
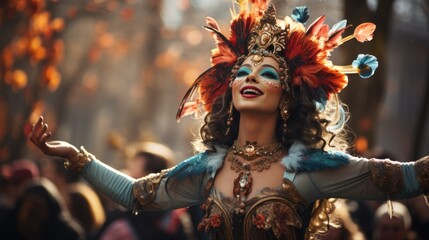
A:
257,88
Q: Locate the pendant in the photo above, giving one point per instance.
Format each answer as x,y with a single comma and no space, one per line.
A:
249,148
244,180
242,188
243,185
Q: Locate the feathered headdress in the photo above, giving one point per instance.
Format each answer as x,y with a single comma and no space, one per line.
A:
254,30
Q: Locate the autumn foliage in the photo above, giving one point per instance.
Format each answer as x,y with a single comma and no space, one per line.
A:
31,52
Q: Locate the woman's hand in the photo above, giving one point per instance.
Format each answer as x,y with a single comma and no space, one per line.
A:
39,136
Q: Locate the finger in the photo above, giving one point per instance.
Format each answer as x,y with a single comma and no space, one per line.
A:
37,128
44,137
44,146
39,134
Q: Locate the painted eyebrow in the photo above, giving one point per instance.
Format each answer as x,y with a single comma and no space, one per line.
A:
246,65
270,66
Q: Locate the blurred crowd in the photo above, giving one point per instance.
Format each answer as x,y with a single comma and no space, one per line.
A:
39,199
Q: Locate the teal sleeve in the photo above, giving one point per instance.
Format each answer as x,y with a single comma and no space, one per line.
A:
357,181
110,181
410,179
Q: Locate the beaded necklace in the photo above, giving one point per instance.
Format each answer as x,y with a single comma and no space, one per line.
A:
258,158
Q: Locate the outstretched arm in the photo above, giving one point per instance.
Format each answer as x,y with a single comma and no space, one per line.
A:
155,191
113,183
369,179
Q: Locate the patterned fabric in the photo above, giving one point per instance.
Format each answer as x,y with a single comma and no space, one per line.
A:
272,214
387,175
144,190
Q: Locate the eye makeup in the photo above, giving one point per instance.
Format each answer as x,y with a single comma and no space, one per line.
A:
243,72
270,73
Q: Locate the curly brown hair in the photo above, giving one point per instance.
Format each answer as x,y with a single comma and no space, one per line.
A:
306,123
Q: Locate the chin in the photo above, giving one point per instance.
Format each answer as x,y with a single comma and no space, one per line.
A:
249,108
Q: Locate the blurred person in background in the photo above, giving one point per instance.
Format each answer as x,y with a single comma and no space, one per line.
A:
143,159
40,214
82,201
419,212
395,227
53,170
86,208
15,177
19,174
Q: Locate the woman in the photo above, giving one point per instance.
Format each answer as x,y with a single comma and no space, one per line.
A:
272,152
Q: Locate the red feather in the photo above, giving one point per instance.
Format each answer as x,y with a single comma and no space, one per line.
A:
334,39
331,80
323,32
189,108
307,74
214,84
301,48
210,84
314,28
225,51
240,29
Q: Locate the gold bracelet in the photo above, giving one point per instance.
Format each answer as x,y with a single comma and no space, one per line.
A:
79,161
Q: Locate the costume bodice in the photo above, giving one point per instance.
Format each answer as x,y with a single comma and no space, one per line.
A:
297,209
273,213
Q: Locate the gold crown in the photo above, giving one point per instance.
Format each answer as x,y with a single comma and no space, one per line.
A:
267,38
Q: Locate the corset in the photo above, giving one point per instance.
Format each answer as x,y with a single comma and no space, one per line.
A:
274,213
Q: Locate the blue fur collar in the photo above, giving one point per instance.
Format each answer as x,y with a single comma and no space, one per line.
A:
300,159
304,159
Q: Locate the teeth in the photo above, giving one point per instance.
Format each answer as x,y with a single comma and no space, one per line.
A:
251,91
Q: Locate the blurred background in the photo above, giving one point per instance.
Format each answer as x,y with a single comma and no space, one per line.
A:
110,74
108,70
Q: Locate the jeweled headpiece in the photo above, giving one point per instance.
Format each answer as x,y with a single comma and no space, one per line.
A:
302,53
267,38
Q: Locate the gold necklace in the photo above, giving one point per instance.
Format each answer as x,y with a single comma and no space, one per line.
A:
251,150
265,155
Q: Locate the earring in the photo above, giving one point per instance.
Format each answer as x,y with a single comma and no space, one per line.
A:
229,119
284,113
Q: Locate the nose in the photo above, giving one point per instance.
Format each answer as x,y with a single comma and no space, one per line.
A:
251,78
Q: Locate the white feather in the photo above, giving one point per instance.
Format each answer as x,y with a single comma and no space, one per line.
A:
295,156
215,160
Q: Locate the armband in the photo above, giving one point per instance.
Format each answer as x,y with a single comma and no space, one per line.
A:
79,161
387,175
144,189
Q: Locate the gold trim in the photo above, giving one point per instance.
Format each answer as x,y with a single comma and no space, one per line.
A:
144,189
79,161
272,200
320,218
226,217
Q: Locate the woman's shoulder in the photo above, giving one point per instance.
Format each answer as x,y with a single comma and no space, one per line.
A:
302,158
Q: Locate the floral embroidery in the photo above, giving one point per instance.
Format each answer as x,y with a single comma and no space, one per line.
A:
209,223
259,220
204,225
215,220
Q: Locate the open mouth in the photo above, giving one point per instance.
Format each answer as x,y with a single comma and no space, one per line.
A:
249,91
